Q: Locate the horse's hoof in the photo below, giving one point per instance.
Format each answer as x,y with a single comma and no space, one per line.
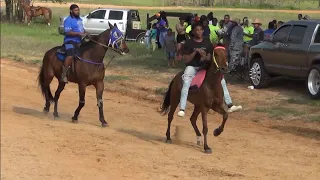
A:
45,111
74,118
56,115
217,132
104,125
169,141
208,151
74,121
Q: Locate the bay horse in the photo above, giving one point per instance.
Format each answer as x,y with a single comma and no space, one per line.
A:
87,69
208,96
31,11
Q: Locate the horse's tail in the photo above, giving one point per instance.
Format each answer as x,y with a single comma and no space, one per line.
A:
45,87
166,102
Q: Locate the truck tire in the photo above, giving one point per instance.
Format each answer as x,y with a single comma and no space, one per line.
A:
141,38
258,76
313,82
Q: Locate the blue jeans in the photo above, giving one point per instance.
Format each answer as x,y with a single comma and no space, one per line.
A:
227,98
148,42
187,77
161,38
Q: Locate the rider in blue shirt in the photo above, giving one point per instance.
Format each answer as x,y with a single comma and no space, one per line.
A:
74,31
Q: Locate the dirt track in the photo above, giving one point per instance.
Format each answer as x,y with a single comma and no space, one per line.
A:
34,146
49,4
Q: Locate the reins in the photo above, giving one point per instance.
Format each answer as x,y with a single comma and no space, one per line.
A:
103,45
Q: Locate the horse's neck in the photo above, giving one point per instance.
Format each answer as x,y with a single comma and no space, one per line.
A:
95,53
213,77
26,7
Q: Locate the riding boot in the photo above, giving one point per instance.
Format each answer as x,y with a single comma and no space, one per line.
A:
64,74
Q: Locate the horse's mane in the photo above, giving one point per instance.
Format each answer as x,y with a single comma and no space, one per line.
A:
87,45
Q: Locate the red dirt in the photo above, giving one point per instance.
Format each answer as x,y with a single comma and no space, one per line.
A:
34,146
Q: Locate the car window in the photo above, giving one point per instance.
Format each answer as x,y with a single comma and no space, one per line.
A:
115,15
100,14
317,37
297,34
282,34
135,16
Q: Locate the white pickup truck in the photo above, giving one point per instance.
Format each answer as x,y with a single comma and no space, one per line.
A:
128,22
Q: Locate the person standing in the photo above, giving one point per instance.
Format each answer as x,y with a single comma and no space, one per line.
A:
153,37
236,44
170,47
148,36
269,31
247,30
258,34
299,16
181,36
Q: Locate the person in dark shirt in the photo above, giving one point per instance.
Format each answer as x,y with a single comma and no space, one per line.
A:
299,16
258,33
236,44
196,53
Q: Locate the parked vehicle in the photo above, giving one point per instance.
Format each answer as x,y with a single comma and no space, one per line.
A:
293,51
128,22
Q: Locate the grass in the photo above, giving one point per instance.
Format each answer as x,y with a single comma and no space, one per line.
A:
304,102
314,119
278,112
114,78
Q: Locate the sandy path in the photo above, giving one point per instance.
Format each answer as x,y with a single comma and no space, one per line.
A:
50,4
34,146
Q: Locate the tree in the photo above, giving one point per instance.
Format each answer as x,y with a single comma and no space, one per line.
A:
14,12
9,10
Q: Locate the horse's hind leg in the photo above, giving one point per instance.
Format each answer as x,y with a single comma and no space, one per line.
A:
99,91
56,98
220,109
193,121
82,93
48,95
174,102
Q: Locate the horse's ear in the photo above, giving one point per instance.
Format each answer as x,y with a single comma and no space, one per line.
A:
115,25
110,25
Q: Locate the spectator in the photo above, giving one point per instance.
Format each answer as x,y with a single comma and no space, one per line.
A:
170,46
148,35
153,37
181,36
299,16
205,25
214,31
163,31
226,29
210,18
280,23
236,44
306,17
258,33
247,30
269,31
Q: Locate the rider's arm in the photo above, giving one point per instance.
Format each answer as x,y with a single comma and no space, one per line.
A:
188,52
68,29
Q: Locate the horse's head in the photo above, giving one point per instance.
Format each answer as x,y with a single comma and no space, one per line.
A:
117,39
220,59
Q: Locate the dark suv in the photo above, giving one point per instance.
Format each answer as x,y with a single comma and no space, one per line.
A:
294,51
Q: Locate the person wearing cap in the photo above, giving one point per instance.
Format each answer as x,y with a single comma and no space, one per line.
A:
236,44
73,33
258,33
247,30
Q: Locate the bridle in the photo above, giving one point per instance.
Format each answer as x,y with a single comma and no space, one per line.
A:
214,58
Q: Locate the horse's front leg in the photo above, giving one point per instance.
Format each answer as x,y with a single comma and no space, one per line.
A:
99,91
56,98
82,94
220,109
204,114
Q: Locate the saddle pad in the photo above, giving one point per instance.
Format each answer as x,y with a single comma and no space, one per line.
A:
197,80
61,56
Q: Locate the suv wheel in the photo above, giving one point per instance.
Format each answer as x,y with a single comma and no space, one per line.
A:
141,39
258,76
313,82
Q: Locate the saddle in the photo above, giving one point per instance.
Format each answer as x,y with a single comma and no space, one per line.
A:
198,80
34,9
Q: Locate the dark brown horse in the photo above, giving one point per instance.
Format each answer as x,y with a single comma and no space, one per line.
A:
31,11
209,96
88,69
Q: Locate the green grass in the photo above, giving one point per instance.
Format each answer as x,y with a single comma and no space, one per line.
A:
278,112
304,102
314,119
115,78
